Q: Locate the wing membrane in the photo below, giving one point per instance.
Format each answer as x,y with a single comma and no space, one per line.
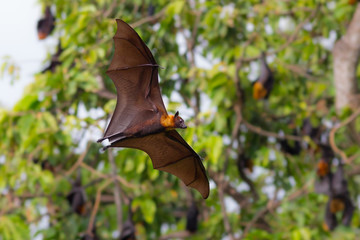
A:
134,72
169,152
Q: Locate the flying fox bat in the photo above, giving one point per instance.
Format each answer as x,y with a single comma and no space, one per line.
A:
341,203
335,185
77,199
192,218
263,86
46,24
128,229
140,119
352,2
55,61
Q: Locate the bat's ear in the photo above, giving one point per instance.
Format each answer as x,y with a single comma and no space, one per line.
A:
176,114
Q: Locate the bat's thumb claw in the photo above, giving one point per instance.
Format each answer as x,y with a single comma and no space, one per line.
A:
106,144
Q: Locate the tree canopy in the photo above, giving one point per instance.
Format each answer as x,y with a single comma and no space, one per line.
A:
283,167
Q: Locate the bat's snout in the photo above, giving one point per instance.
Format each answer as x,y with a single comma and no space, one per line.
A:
183,126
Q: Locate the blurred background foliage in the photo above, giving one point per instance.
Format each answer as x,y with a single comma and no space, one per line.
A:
209,51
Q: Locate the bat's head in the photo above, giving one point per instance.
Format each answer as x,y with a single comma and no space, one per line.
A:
179,122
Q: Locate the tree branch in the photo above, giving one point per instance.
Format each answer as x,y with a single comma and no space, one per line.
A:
103,92
290,40
156,17
223,210
79,161
176,235
332,135
117,190
230,190
100,174
96,206
272,205
263,132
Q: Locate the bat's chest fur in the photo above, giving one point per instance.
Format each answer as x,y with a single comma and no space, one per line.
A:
167,121
150,126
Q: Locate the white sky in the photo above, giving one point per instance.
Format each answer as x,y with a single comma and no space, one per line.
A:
18,19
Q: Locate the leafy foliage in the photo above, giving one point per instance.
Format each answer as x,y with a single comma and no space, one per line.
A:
209,52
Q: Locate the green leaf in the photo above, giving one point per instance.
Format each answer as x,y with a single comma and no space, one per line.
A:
175,7
148,208
24,125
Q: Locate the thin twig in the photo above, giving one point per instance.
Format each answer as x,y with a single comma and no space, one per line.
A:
105,176
34,152
246,179
275,204
79,161
96,206
176,235
241,199
238,104
223,209
191,43
263,132
298,70
117,191
355,170
332,135
110,9
290,40
148,19
103,92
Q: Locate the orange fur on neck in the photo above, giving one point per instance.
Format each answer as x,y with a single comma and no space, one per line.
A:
322,168
167,121
336,205
259,91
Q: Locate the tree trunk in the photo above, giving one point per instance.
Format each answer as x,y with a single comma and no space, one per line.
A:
346,56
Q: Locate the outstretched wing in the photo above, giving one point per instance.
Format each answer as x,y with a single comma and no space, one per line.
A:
135,74
169,152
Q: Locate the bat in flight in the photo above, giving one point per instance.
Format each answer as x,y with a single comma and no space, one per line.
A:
140,119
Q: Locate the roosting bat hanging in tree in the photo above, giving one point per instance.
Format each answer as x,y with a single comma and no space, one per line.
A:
46,24
140,119
263,86
192,218
77,198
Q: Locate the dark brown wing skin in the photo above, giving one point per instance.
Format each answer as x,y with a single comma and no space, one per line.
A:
135,74
169,152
